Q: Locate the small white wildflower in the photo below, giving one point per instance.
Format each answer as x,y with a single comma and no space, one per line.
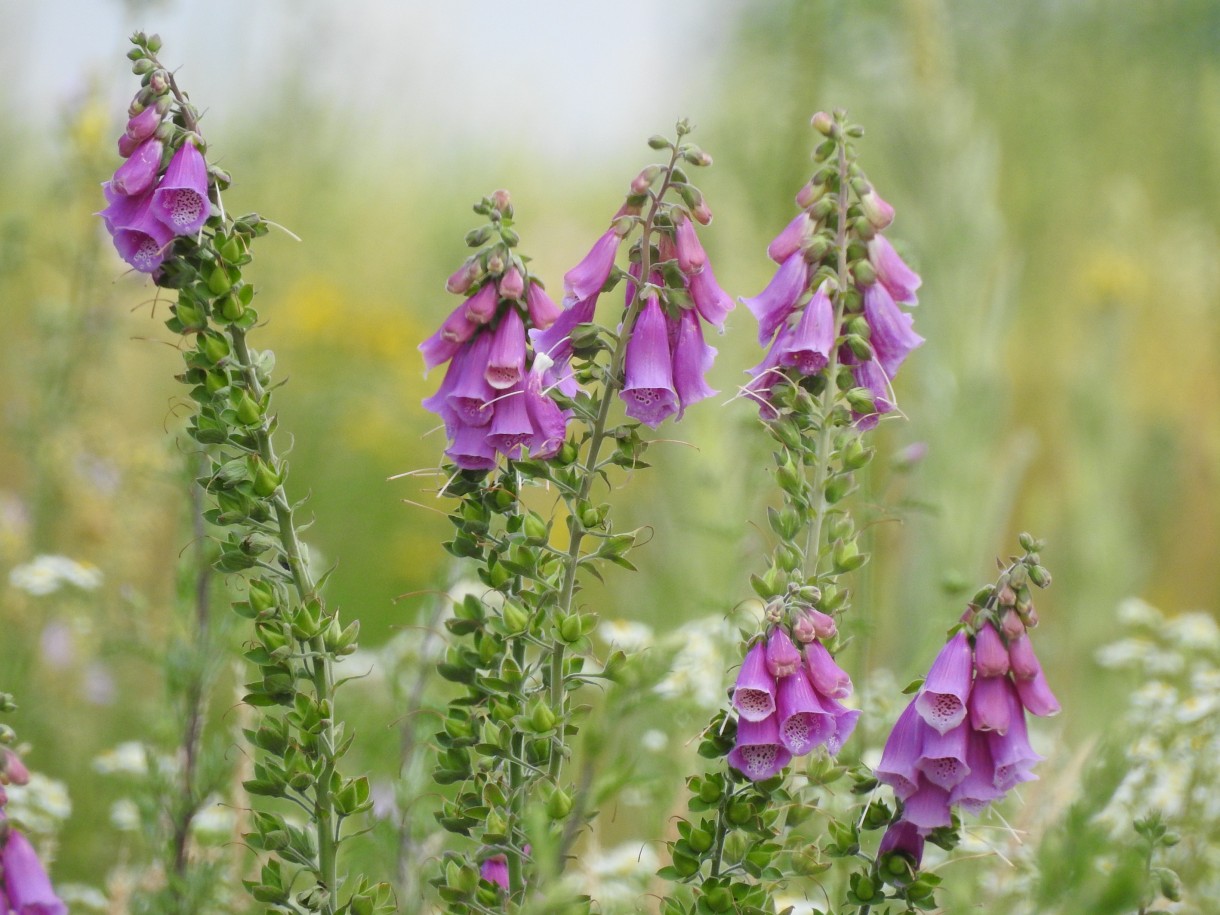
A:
626,634
80,896
654,740
125,815
1196,708
1134,612
46,574
1164,663
42,804
128,758
1194,631
1155,695
1125,653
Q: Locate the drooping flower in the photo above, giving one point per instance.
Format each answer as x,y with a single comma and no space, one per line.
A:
512,284
143,125
712,302
774,304
792,239
586,279
803,722
941,701
828,678
26,883
506,358
754,694
691,256
139,237
892,271
543,311
990,656
648,388
892,330
181,199
807,348
139,172
692,358
758,754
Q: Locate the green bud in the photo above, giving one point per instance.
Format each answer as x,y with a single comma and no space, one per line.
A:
860,347
865,889
541,719
856,455
739,813
859,326
558,805
837,487
567,454
788,557
569,628
218,281
479,236
191,315
248,412
214,347
266,480
861,400
535,528
231,308
700,840
847,556
514,616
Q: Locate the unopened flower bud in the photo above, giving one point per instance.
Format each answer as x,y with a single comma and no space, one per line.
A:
515,617
656,141
847,556
464,276
495,264
558,805
1012,625
864,272
14,771
876,210
823,123
541,719
512,284
643,181
503,202
782,657
701,213
159,82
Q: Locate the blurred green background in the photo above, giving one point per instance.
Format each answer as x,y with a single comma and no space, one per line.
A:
1056,171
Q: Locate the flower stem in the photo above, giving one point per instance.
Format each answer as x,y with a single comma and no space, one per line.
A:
813,545
318,659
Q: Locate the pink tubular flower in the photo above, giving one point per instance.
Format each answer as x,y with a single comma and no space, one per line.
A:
871,376
803,722
648,388
942,698
550,423
808,347
481,307
774,304
691,256
988,705
586,279
902,838
899,766
892,330
142,239
692,358
181,199
464,277
892,272
139,172
827,677
26,884
876,210
712,302
759,755
792,239
143,125
511,426
754,694
444,344
543,311
506,360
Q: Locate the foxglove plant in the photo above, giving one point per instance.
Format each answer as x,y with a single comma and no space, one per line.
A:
962,740
815,403
519,651
166,217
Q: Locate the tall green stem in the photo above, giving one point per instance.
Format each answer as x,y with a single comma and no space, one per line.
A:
317,658
813,546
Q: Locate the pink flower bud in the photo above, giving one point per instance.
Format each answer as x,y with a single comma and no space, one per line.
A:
807,196
512,285
1012,625
502,201
1022,659
876,210
14,771
782,657
463,278
990,657
144,125
823,123
701,213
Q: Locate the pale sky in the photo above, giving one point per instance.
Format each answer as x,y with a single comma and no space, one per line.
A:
558,77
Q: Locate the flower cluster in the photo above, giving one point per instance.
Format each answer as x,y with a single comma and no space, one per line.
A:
787,699
494,397
797,316
26,888
962,740
161,190
667,357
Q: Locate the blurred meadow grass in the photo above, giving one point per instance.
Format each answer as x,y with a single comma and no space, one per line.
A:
1056,170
